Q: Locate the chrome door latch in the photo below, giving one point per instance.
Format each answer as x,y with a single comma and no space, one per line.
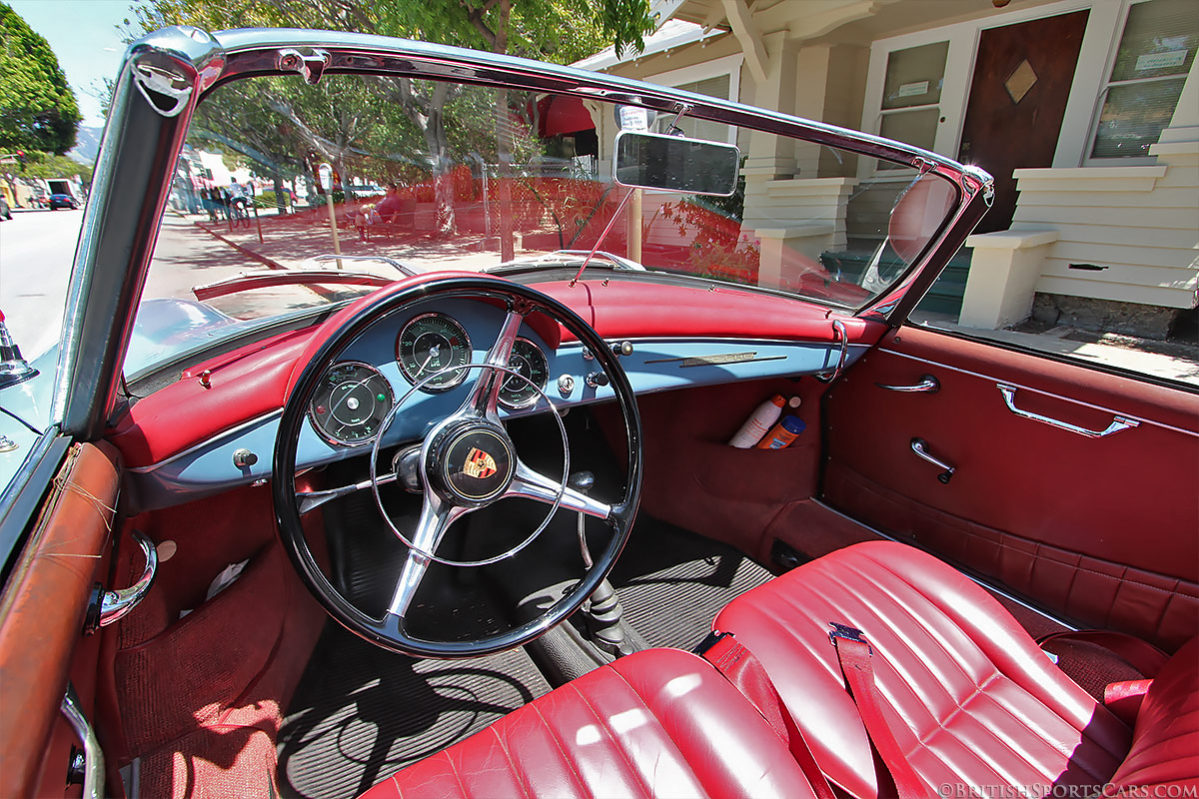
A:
928,384
920,448
108,607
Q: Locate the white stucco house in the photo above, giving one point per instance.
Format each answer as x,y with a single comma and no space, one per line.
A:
1086,111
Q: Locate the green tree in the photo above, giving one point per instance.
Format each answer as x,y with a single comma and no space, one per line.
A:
48,165
37,107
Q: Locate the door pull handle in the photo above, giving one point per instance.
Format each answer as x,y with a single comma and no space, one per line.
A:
840,334
920,448
108,607
1118,422
928,385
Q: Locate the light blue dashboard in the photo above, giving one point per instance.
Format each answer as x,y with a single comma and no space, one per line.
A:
658,364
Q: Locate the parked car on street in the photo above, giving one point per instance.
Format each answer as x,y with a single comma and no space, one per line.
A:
62,201
632,479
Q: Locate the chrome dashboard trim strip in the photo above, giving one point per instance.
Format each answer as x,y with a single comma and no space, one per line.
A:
1083,403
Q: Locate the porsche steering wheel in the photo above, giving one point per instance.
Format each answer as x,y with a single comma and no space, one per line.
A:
467,461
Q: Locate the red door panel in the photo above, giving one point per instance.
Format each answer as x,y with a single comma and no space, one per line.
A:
1104,530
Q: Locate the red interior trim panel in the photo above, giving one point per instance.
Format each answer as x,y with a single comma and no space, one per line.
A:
1100,528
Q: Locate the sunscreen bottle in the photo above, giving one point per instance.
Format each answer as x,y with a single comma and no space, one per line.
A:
760,421
783,433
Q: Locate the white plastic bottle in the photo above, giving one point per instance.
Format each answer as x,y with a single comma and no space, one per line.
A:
759,422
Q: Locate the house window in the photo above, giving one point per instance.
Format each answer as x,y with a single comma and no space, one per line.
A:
1151,65
718,87
911,107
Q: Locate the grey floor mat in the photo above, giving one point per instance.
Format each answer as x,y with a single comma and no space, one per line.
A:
672,583
361,713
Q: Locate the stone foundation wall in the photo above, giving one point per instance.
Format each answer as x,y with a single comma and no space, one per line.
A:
1105,316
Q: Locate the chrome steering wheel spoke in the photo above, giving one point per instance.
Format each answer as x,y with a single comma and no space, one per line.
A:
484,397
530,484
436,517
308,501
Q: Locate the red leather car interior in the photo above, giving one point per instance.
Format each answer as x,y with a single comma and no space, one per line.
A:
658,723
695,480
640,310
43,608
969,696
1099,530
1165,742
970,700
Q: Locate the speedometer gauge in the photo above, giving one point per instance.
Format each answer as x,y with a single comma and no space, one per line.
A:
430,343
528,359
350,403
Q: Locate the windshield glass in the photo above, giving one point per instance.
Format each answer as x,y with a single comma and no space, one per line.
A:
284,177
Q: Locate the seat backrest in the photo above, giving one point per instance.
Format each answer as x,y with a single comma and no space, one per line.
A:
1165,740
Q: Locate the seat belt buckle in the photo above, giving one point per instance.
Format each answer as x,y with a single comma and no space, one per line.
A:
847,633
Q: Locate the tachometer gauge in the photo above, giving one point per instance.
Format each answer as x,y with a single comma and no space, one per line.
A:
528,359
350,403
430,343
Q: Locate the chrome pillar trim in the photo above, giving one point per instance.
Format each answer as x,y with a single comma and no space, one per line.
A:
115,605
311,66
1118,423
920,448
93,756
928,385
120,223
842,334
154,80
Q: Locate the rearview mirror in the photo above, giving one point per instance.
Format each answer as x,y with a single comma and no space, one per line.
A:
673,163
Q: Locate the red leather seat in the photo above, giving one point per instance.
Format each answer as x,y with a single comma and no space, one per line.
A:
973,702
1165,740
658,723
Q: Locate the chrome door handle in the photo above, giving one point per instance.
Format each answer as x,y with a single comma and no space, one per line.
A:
115,605
1118,422
927,385
920,447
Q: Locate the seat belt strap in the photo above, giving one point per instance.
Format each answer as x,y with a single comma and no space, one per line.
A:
854,653
1141,655
740,667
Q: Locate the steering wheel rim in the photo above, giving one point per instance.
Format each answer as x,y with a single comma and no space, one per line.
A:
388,632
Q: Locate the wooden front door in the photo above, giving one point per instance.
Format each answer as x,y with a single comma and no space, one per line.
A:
1018,96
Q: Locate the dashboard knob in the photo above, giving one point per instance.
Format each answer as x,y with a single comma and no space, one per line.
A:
244,458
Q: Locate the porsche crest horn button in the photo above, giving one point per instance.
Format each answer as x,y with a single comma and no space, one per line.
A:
477,464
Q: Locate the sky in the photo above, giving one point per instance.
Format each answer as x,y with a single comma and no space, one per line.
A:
84,37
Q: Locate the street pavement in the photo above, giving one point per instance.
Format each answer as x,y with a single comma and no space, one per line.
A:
37,248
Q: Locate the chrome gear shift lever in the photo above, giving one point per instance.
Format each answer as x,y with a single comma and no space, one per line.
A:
602,609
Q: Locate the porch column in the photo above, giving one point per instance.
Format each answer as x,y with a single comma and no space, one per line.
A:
769,155
1004,270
